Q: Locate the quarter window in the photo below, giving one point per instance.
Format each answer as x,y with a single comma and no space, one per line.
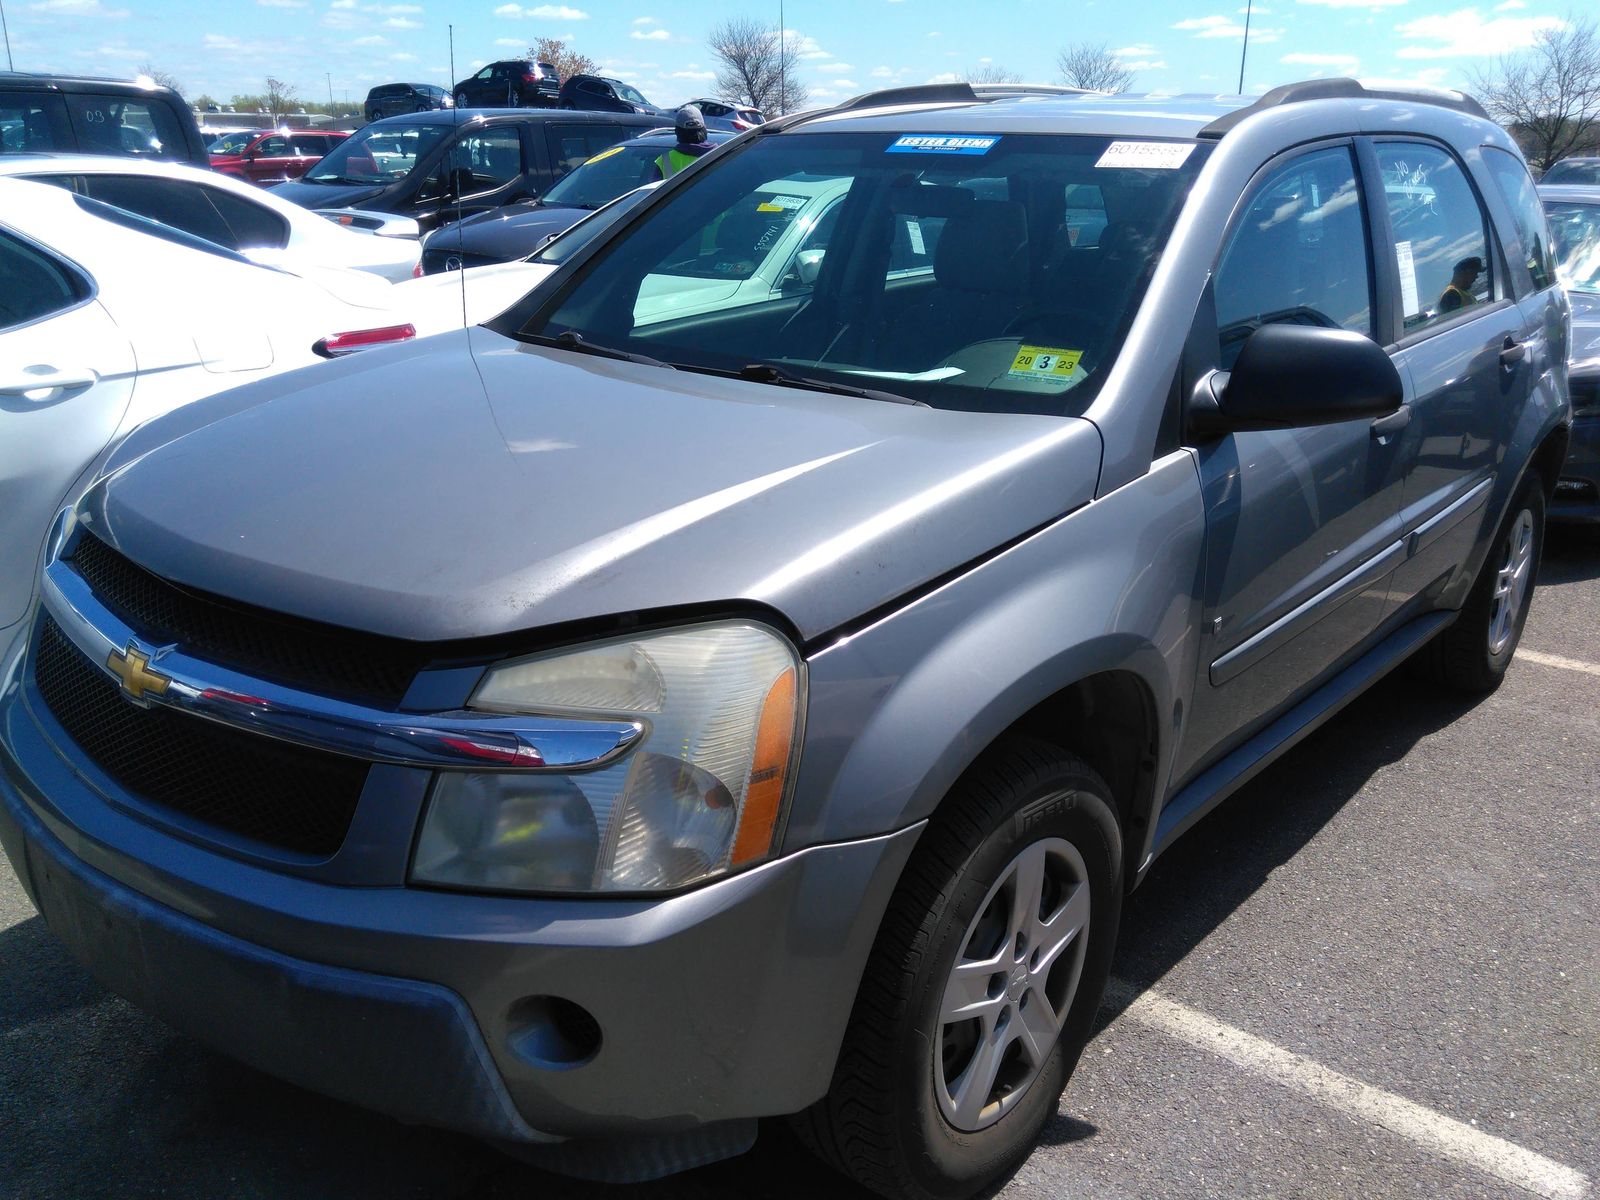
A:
1441,238
1516,187
113,125
1299,254
36,285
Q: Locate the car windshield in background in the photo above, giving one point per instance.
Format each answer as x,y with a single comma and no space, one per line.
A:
378,154
628,94
231,143
607,175
982,272
1575,230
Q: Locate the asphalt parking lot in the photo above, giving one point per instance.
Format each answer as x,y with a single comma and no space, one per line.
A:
1374,972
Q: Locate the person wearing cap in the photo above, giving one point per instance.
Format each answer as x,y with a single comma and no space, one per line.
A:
690,127
1458,293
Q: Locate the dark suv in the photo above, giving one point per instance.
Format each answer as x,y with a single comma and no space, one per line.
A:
600,94
442,166
515,83
392,99
41,113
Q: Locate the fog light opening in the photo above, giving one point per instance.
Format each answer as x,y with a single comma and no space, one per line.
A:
548,1031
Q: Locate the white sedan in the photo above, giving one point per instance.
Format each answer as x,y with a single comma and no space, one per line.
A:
108,319
228,212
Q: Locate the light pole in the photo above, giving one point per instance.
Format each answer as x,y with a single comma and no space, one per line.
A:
329,76
10,66
1245,49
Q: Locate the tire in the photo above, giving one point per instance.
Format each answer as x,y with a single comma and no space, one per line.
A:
1472,655
461,100
896,1118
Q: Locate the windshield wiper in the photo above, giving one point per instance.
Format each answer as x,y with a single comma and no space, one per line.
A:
767,373
569,340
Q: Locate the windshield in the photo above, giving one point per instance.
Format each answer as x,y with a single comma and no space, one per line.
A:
378,154
624,92
232,143
564,245
1575,232
1573,171
962,271
607,175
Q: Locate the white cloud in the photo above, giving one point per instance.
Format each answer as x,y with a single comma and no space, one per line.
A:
836,68
645,21
543,12
881,73
652,35
1211,27
283,3
402,23
343,4
945,77
79,8
1353,3
371,39
1509,6
1145,64
512,43
1142,50
846,85
1466,33
217,41
697,75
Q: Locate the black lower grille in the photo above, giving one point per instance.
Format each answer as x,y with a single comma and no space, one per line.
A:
321,658
286,796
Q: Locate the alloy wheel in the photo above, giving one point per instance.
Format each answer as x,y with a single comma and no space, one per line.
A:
1012,985
1511,583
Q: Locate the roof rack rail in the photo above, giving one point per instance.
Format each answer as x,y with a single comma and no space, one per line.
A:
955,93
1341,88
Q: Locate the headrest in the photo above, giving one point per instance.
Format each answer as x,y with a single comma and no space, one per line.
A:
985,249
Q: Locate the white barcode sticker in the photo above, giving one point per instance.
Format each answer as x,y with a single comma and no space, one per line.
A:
1407,264
1150,156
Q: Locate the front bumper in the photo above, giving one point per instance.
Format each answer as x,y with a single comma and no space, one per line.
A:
1577,496
714,1006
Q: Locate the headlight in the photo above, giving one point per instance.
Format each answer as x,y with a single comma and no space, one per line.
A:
701,794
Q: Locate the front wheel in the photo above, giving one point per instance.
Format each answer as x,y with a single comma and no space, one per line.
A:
1473,654
984,983
461,99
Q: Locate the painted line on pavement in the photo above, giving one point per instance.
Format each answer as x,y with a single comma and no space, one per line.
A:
1555,660
1434,1131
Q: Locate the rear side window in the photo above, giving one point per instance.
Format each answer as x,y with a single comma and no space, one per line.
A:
272,147
210,213
122,125
309,143
573,145
1516,188
36,284
1299,254
31,124
251,225
1441,236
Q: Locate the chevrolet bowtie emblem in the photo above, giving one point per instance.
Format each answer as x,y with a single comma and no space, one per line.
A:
133,668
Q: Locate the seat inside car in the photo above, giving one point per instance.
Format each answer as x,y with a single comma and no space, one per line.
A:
980,281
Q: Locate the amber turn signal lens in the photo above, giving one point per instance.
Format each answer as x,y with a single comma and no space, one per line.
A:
769,772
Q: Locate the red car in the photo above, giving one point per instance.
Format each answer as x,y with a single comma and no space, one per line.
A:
271,155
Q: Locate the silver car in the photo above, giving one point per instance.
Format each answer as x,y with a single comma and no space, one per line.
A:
603,728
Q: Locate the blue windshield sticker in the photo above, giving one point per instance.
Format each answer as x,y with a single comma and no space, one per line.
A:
943,143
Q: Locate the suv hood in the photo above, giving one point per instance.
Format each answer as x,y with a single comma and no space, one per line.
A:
470,485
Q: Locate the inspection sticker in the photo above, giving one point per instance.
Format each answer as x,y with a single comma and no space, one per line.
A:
606,153
943,143
1152,156
781,203
1043,362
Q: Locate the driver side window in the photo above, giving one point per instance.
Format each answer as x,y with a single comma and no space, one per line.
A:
1298,255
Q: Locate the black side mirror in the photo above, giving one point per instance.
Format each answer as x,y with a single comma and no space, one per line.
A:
1288,376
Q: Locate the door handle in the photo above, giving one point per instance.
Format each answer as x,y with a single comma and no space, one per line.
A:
1512,353
49,379
1386,427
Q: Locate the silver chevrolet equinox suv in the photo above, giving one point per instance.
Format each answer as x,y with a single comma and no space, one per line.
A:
745,677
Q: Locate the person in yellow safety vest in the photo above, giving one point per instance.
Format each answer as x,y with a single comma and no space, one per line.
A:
690,127
1458,294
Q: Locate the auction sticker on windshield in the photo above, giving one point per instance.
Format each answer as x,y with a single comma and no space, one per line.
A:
1156,156
1043,363
943,143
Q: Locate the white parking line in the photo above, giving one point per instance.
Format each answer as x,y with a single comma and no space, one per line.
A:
1555,660
1441,1134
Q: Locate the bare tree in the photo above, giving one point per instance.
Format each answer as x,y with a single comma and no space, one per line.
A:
756,65
567,61
991,73
280,97
1094,67
1548,96
161,78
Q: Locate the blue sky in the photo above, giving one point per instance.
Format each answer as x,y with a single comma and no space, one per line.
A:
847,46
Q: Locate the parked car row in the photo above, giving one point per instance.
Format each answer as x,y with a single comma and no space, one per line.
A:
824,580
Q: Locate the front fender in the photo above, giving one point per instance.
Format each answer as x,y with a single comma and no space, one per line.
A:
901,708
